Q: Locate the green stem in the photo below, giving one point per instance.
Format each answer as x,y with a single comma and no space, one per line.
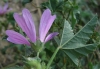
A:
40,50
53,56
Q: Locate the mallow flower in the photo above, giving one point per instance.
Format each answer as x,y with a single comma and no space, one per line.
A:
27,25
5,9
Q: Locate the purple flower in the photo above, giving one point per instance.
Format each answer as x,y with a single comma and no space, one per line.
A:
16,38
4,9
27,24
45,24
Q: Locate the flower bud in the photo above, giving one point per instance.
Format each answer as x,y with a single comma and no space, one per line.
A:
33,63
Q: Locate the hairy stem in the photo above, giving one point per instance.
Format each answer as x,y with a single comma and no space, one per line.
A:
53,56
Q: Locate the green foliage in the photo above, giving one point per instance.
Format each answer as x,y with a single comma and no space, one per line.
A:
80,38
10,19
66,35
72,44
77,37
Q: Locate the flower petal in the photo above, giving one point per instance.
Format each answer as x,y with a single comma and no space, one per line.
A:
30,24
21,22
45,24
16,38
50,36
5,8
44,18
48,26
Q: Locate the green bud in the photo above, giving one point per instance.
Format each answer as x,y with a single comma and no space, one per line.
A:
43,65
35,47
33,63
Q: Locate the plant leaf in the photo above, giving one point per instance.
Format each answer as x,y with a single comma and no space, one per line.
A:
79,39
67,33
74,54
75,46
